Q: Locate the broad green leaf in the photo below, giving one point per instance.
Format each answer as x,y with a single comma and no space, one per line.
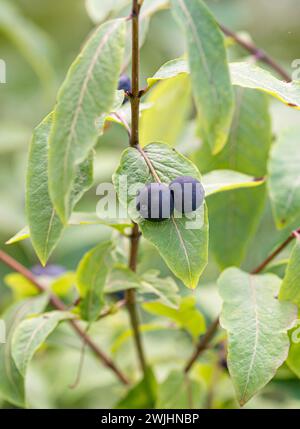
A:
45,225
31,334
87,93
142,395
32,41
284,178
234,218
20,286
12,382
290,288
121,278
179,391
91,278
249,140
182,242
257,324
211,84
64,284
227,180
249,75
187,316
244,74
170,104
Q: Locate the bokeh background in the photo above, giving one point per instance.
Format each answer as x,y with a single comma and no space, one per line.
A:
38,45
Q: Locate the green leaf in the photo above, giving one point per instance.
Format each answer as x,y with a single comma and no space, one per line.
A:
23,234
142,395
32,41
91,278
31,334
187,317
257,325
165,289
179,391
182,242
290,288
227,180
45,225
248,75
12,382
284,178
64,284
234,218
170,103
21,287
243,74
87,93
293,360
121,278
209,70
249,140
101,10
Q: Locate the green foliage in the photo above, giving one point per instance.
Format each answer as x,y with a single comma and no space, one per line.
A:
209,70
74,133
187,316
31,334
290,288
91,277
257,325
44,223
284,178
12,387
142,395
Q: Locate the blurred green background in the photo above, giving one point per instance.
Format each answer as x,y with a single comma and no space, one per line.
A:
55,30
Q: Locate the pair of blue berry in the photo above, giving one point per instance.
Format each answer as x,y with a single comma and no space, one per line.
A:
156,201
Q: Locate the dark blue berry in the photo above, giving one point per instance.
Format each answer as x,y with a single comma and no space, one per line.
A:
188,194
155,202
124,83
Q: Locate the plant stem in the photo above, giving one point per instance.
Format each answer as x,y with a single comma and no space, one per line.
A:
206,339
59,305
258,53
134,142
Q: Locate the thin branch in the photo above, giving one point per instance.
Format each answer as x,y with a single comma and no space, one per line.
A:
258,53
276,252
134,142
59,305
206,339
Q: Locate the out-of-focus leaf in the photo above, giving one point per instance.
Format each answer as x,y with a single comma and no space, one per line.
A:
284,178
74,133
31,40
227,180
101,10
12,383
249,140
21,287
121,278
170,103
19,236
188,236
249,75
187,317
64,284
179,391
211,84
165,289
91,278
293,360
142,395
290,288
31,334
44,223
13,137
243,74
257,325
